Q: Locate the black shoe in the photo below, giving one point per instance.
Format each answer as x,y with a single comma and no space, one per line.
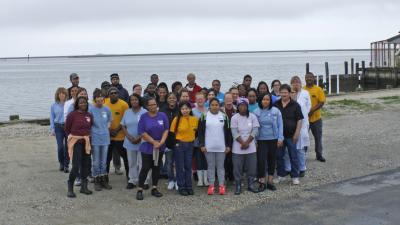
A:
321,159
262,187
130,186
66,170
271,187
238,188
250,185
104,182
182,192
97,183
139,195
156,193
61,168
146,187
84,187
190,191
70,193
302,173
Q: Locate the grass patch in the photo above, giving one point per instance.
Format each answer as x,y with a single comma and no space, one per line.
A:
326,114
354,104
390,99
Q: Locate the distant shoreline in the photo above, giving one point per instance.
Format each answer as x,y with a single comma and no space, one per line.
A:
183,53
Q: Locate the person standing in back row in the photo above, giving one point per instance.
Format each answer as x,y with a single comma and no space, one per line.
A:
122,92
318,99
116,149
74,78
192,87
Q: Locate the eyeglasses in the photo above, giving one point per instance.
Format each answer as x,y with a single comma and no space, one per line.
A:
113,93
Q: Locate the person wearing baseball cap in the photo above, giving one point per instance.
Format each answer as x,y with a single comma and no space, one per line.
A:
74,78
122,92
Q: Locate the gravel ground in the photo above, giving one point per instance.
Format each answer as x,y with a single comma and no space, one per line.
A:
33,191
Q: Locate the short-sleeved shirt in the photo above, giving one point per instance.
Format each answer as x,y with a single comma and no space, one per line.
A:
117,110
101,119
153,126
244,125
290,115
186,130
131,121
215,135
317,95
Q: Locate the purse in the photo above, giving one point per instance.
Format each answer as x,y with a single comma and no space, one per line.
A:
171,138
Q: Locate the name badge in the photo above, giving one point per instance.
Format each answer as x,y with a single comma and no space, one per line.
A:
87,119
161,122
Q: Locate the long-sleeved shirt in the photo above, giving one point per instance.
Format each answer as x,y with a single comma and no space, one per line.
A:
303,99
79,123
67,105
56,114
271,124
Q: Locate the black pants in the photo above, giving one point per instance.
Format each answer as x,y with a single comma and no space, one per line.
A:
228,165
80,162
118,146
266,157
147,164
201,161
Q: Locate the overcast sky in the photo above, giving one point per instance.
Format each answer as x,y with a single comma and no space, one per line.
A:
60,27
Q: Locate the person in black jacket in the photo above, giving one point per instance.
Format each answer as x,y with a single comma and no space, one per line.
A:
213,128
122,92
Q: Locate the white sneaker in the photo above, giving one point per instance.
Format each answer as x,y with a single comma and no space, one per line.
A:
279,180
171,185
295,181
176,186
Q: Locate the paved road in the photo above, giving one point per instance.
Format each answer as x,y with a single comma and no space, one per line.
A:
368,200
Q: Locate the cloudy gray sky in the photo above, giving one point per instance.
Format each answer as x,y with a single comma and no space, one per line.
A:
60,27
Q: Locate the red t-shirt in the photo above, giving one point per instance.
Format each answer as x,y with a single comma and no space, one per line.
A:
78,123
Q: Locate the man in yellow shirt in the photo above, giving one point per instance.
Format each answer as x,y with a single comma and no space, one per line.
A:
116,149
318,99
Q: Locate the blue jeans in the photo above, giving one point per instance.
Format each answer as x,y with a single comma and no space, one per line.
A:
183,153
62,149
169,165
293,156
99,156
301,155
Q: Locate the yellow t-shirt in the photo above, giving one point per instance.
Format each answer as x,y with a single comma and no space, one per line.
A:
186,131
317,95
117,111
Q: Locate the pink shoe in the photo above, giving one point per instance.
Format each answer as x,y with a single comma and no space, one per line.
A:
210,190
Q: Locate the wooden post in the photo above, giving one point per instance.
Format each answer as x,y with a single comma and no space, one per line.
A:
346,67
327,81
358,75
307,68
337,84
352,65
363,74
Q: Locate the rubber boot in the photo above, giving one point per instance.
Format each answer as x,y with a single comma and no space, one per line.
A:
104,182
71,193
205,178
238,188
84,187
97,184
251,187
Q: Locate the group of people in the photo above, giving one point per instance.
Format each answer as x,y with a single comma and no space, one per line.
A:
245,134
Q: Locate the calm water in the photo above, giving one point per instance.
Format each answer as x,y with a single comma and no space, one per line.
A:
28,87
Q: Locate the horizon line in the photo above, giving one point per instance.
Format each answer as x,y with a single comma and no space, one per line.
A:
180,53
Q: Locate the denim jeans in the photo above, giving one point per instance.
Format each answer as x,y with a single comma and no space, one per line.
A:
293,156
169,165
62,150
99,156
301,155
183,154
316,130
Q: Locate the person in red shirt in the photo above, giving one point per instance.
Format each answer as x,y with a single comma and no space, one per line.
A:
78,127
192,87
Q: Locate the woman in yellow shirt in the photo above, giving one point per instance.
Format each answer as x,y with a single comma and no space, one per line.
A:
184,126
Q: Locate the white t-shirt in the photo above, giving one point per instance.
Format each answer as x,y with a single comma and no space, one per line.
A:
215,137
67,104
244,125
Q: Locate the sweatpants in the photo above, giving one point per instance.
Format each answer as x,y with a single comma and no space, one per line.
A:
248,162
135,164
215,160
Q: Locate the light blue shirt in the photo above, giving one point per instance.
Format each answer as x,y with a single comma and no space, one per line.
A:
220,97
130,120
253,107
271,124
101,118
56,114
